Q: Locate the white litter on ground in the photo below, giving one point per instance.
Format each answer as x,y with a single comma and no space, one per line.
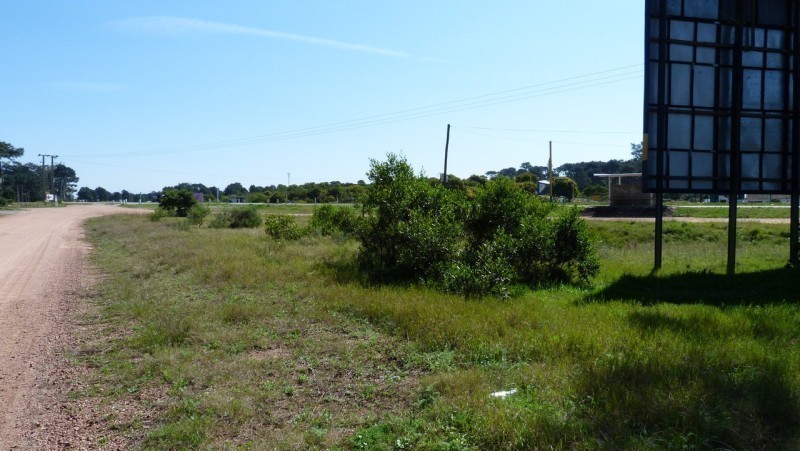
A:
503,394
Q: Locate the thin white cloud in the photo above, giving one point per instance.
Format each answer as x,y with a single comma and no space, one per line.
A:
87,86
179,25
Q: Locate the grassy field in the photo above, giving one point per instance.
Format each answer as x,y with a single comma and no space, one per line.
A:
744,211
226,339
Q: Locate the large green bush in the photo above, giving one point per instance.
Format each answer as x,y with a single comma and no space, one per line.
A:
418,231
413,226
177,201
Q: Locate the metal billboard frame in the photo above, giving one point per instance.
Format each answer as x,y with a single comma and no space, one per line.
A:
722,88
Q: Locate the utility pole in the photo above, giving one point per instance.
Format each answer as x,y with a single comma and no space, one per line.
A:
550,170
53,178
288,182
446,148
44,182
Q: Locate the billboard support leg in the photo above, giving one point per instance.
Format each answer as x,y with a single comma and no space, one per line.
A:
659,230
794,225
732,205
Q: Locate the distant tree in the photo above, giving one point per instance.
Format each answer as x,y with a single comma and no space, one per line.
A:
177,201
102,194
23,181
87,194
541,172
257,198
636,151
526,177
9,151
597,189
564,187
65,180
235,189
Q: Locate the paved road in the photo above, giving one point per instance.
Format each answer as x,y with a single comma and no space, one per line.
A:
42,272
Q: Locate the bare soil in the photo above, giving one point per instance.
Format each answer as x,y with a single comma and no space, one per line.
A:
43,277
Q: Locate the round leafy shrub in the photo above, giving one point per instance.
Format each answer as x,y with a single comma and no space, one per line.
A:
177,201
197,214
244,218
329,220
158,214
282,227
237,218
418,231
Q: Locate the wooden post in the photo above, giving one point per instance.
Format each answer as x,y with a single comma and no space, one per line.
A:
550,170
446,148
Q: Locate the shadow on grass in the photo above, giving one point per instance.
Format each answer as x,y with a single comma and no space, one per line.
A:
775,286
696,402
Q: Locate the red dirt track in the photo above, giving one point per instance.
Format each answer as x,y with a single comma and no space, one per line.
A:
43,273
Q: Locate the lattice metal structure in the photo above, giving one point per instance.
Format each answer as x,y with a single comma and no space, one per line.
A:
720,95
722,86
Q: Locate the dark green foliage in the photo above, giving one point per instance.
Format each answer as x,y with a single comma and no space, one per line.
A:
257,198
244,218
329,220
413,225
197,214
418,231
282,227
158,214
9,151
564,187
177,201
237,218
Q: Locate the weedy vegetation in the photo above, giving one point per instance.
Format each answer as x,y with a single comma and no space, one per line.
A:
279,337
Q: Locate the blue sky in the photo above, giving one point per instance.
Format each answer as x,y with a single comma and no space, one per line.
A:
141,95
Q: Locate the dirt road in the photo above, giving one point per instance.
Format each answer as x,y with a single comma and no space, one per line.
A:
42,273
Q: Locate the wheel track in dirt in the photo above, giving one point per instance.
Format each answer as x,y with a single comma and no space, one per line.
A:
42,269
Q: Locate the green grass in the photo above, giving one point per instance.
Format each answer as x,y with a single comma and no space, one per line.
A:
744,211
225,339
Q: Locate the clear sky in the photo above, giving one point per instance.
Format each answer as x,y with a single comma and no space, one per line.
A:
143,94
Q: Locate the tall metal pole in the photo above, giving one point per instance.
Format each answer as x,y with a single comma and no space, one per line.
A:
736,155
446,148
661,129
794,223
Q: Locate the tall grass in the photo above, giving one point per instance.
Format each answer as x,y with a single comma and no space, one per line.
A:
237,340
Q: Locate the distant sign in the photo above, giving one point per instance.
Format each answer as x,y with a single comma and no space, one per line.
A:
720,97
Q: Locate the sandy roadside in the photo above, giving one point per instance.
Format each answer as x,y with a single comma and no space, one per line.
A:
43,273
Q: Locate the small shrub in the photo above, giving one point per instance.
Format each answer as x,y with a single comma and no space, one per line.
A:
238,218
244,218
158,214
219,221
197,214
282,227
329,220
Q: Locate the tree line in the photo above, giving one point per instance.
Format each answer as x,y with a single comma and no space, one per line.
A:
30,182
23,183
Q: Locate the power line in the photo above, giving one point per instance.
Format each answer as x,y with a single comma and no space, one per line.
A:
500,97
